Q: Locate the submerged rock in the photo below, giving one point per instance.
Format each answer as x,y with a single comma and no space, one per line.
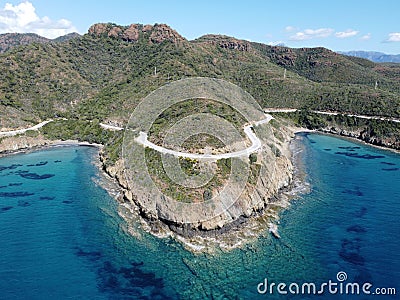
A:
16,194
35,176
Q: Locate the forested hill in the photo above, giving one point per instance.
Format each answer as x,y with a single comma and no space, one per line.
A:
11,40
104,73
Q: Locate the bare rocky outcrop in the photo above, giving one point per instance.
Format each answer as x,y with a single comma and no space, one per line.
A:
115,32
98,29
131,34
147,28
235,45
155,34
283,56
162,32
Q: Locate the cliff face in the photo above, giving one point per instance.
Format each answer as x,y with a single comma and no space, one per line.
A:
15,143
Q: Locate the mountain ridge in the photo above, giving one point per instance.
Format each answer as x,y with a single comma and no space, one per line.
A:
105,72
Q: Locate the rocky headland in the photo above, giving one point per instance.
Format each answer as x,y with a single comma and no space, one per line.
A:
255,212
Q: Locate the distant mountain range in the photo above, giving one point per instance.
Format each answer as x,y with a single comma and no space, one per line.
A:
374,56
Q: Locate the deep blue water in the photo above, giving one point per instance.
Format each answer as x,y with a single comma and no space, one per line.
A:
61,236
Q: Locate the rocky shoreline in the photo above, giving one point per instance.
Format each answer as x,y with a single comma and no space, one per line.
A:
247,227
261,219
362,136
18,144
24,144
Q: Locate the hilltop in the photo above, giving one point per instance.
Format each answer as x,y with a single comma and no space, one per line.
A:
110,62
11,40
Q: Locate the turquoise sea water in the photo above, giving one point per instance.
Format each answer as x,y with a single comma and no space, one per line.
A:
61,236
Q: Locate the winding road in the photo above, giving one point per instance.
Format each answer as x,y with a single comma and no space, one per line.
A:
19,131
111,127
255,141
289,110
248,130
40,125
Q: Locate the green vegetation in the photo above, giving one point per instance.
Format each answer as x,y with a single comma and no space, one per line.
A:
12,40
89,131
194,106
254,169
202,140
191,168
92,78
310,120
32,133
253,158
275,150
254,174
77,130
224,166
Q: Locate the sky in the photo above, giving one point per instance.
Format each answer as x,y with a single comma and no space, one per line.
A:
339,25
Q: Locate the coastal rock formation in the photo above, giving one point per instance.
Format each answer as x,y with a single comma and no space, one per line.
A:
363,134
255,198
15,143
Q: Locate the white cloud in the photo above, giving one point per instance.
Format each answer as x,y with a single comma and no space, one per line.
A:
290,28
346,34
22,18
393,37
309,34
365,37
